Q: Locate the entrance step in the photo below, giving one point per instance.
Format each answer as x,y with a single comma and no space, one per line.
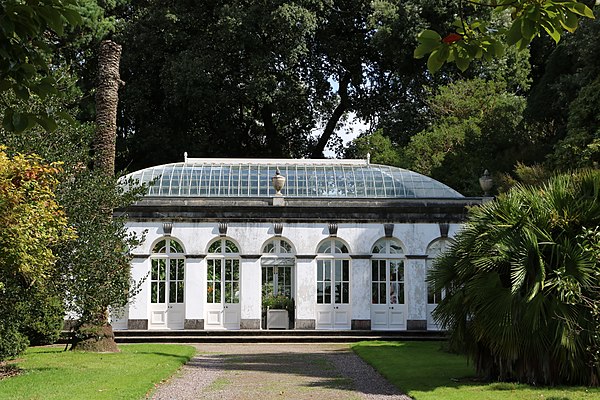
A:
269,336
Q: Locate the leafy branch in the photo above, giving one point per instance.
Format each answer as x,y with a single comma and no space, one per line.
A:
476,39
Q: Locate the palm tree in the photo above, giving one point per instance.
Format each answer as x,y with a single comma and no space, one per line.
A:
522,282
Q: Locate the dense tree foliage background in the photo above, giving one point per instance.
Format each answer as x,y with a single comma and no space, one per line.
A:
256,78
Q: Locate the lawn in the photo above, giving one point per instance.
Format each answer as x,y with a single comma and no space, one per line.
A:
425,372
51,373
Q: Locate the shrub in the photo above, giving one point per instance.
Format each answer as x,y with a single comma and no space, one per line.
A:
522,283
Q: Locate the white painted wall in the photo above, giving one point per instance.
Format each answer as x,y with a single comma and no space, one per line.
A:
305,238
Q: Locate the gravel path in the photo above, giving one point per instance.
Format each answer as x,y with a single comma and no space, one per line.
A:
260,371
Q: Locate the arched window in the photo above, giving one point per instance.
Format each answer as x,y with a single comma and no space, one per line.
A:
223,272
277,268
167,272
387,272
278,246
333,272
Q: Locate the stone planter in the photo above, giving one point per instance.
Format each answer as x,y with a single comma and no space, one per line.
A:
277,319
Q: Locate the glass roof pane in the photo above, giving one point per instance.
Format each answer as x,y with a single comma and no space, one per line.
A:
304,178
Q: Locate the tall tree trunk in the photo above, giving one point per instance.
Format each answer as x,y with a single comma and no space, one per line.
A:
335,117
97,334
107,99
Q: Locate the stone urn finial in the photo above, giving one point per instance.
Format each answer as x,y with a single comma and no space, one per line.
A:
486,183
278,182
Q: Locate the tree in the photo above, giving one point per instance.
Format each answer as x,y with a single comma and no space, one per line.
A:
28,31
474,38
478,126
33,222
522,283
565,99
92,270
270,79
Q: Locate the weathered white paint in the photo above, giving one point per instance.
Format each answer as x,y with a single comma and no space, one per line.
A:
305,238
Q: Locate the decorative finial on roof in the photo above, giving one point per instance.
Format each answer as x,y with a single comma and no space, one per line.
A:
278,181
185,156
368,158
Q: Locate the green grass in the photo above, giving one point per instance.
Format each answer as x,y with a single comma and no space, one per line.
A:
51,373
425,372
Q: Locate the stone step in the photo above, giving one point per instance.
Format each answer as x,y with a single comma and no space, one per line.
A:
270,336
267,339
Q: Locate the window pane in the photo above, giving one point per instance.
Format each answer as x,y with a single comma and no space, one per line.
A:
345,292
382,293
327,299
210,265
154,290
172,292
401,293
228,293
218,293
320,268
154,275
236,292
286,247
375,293
338,293
161,292
215,247
176,247
180,292
346,270
230,247
320,294
160,247
327,272
173,272
269,248
374,270
325,247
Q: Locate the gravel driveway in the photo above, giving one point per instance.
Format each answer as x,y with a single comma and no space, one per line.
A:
261,371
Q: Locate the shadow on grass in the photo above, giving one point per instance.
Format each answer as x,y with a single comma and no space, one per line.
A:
421,367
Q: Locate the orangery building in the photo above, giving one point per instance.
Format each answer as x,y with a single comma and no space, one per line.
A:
343,244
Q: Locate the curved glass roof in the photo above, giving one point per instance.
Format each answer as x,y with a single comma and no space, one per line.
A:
325,178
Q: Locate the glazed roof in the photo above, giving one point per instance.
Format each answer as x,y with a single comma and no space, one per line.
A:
325,178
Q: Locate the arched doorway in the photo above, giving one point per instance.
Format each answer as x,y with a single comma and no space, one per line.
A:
167,287
223,285
278,289
388,297
333,307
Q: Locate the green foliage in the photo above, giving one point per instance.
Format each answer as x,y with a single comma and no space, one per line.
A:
521,280
249,78
565,99
94,270
42,317
477,126
279,302
474,39
12,342
379,147
32,223
28,31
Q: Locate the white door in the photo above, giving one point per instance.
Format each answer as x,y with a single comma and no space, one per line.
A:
388,308
167,309
433,298
223,294
333,294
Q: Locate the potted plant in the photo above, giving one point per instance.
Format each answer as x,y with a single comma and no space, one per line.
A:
279,310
